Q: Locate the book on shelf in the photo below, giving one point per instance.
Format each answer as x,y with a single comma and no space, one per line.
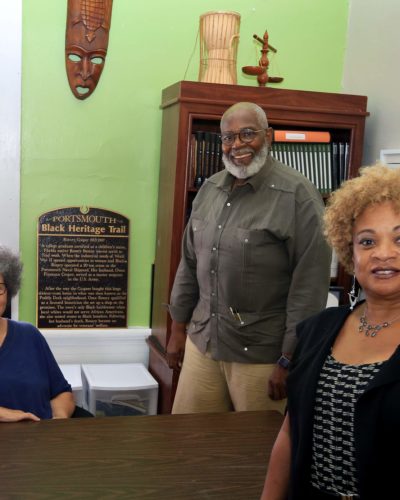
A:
313,160
341,158
205,156
211,163
192,160
199,158
346,160
329,169
342,167
302,136
310,172
218,153
335,166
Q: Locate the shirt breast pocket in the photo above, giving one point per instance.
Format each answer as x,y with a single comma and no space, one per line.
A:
257,245
198,227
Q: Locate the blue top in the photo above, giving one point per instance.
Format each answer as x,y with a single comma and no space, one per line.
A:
29,374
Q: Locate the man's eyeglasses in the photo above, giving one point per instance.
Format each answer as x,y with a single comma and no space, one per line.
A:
246,135
3,288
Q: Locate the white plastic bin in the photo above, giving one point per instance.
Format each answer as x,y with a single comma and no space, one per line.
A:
74,377
119,389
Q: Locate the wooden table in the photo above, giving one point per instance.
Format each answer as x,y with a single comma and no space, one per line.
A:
197,456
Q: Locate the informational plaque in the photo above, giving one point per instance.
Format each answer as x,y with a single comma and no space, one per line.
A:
82,268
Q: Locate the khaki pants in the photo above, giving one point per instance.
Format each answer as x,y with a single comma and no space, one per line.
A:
206,385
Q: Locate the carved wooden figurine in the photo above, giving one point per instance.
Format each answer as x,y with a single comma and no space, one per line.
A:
86,43
263,63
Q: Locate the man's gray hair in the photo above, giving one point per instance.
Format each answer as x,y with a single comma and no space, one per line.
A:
11,269
249,106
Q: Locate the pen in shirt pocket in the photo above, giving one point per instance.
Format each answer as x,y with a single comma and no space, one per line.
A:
236,315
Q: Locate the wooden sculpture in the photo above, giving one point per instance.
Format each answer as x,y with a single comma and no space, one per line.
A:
219,37
262,69
86,43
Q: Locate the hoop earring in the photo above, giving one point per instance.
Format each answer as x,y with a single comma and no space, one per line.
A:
353,298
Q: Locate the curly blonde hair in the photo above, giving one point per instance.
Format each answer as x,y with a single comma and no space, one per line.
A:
376,184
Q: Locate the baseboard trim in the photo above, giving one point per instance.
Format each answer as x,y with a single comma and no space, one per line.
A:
127,345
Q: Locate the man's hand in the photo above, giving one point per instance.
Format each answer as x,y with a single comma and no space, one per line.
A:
8,415
176,345
277,383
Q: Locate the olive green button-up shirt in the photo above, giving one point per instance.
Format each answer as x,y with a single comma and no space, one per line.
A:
254,263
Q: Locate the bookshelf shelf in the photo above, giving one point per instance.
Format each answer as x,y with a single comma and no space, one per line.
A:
192,107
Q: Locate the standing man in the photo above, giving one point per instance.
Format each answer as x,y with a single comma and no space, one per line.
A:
254,263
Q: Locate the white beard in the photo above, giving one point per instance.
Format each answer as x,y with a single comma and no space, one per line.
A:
252,169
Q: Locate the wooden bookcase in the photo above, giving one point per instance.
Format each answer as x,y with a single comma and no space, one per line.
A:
192,106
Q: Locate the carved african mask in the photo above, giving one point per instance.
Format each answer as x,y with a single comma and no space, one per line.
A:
86,42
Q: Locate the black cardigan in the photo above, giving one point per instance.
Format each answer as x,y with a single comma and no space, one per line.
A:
377,412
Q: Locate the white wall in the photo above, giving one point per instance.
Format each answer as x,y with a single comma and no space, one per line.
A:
10,123
372,68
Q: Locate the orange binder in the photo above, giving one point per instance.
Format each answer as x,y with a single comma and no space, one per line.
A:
301,136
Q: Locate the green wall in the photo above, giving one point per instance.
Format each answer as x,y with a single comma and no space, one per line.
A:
104,151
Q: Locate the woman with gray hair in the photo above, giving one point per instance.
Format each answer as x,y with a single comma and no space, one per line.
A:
32,386
343,413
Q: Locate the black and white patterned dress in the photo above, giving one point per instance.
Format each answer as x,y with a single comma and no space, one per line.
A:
333,466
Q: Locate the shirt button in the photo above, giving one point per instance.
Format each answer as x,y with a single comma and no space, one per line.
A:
246,240
213,294
214,248
228,204
213,315
219,226
212,271
195,228
246,349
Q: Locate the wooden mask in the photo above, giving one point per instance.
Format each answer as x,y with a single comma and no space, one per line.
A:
86,42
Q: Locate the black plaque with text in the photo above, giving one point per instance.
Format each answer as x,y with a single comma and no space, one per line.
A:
82,269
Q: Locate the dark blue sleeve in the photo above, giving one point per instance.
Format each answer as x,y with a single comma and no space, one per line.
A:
29,374
57,381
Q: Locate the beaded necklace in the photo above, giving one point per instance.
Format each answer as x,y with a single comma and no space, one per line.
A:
371,330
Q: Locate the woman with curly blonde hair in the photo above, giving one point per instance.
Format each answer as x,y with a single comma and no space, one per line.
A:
344,385
375,185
